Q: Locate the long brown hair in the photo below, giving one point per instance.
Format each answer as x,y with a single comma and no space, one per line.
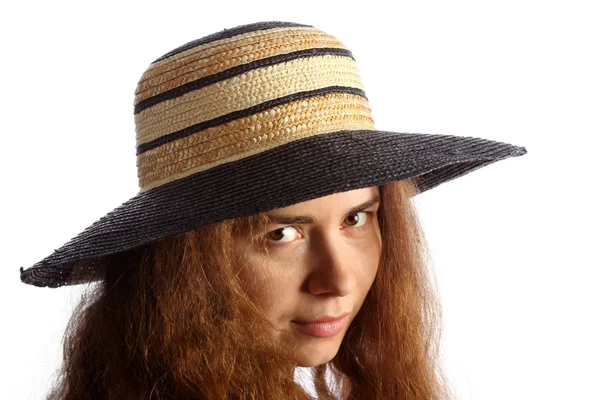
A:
171,320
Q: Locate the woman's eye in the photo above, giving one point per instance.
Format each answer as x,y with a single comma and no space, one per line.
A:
287,234
355,222
278,234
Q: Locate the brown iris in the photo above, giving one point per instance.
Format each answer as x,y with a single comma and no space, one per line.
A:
352,217
277,234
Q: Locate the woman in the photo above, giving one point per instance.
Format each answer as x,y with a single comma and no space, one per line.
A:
273,229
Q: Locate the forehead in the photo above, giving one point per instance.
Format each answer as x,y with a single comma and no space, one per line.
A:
332,204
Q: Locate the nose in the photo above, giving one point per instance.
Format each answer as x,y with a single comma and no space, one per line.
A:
333,266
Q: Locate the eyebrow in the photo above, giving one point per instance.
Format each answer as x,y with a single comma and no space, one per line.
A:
299,219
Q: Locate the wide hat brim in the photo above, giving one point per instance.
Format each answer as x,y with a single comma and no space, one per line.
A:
288,174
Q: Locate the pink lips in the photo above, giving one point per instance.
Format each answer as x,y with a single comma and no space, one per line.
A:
323,327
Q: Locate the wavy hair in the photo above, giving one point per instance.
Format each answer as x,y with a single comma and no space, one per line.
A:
171,320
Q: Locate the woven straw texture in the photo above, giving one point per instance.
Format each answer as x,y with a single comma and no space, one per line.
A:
247,120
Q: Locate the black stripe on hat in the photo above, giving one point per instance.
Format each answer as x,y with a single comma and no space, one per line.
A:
234,71
227,33
190,130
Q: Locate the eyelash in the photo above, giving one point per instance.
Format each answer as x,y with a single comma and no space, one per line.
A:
370,215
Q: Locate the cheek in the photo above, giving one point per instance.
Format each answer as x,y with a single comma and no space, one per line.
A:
269,287
369,263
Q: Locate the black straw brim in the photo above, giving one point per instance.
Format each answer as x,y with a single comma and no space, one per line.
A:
297,171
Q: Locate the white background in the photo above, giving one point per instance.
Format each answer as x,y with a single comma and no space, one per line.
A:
515,244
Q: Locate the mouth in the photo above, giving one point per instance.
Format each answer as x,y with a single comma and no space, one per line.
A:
323,327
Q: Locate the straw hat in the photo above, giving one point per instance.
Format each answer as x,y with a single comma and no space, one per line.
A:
247,120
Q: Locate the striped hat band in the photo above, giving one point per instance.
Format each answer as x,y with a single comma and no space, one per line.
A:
236,94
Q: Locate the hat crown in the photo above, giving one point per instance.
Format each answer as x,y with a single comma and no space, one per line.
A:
243,91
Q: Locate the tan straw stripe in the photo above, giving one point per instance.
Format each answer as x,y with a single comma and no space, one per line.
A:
247,136
209,61
243,91
159,67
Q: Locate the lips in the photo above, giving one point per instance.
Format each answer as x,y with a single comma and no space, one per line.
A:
323,327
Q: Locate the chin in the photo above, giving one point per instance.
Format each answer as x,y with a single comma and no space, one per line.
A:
313,354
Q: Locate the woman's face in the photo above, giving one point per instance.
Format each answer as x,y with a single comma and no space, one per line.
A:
322,259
